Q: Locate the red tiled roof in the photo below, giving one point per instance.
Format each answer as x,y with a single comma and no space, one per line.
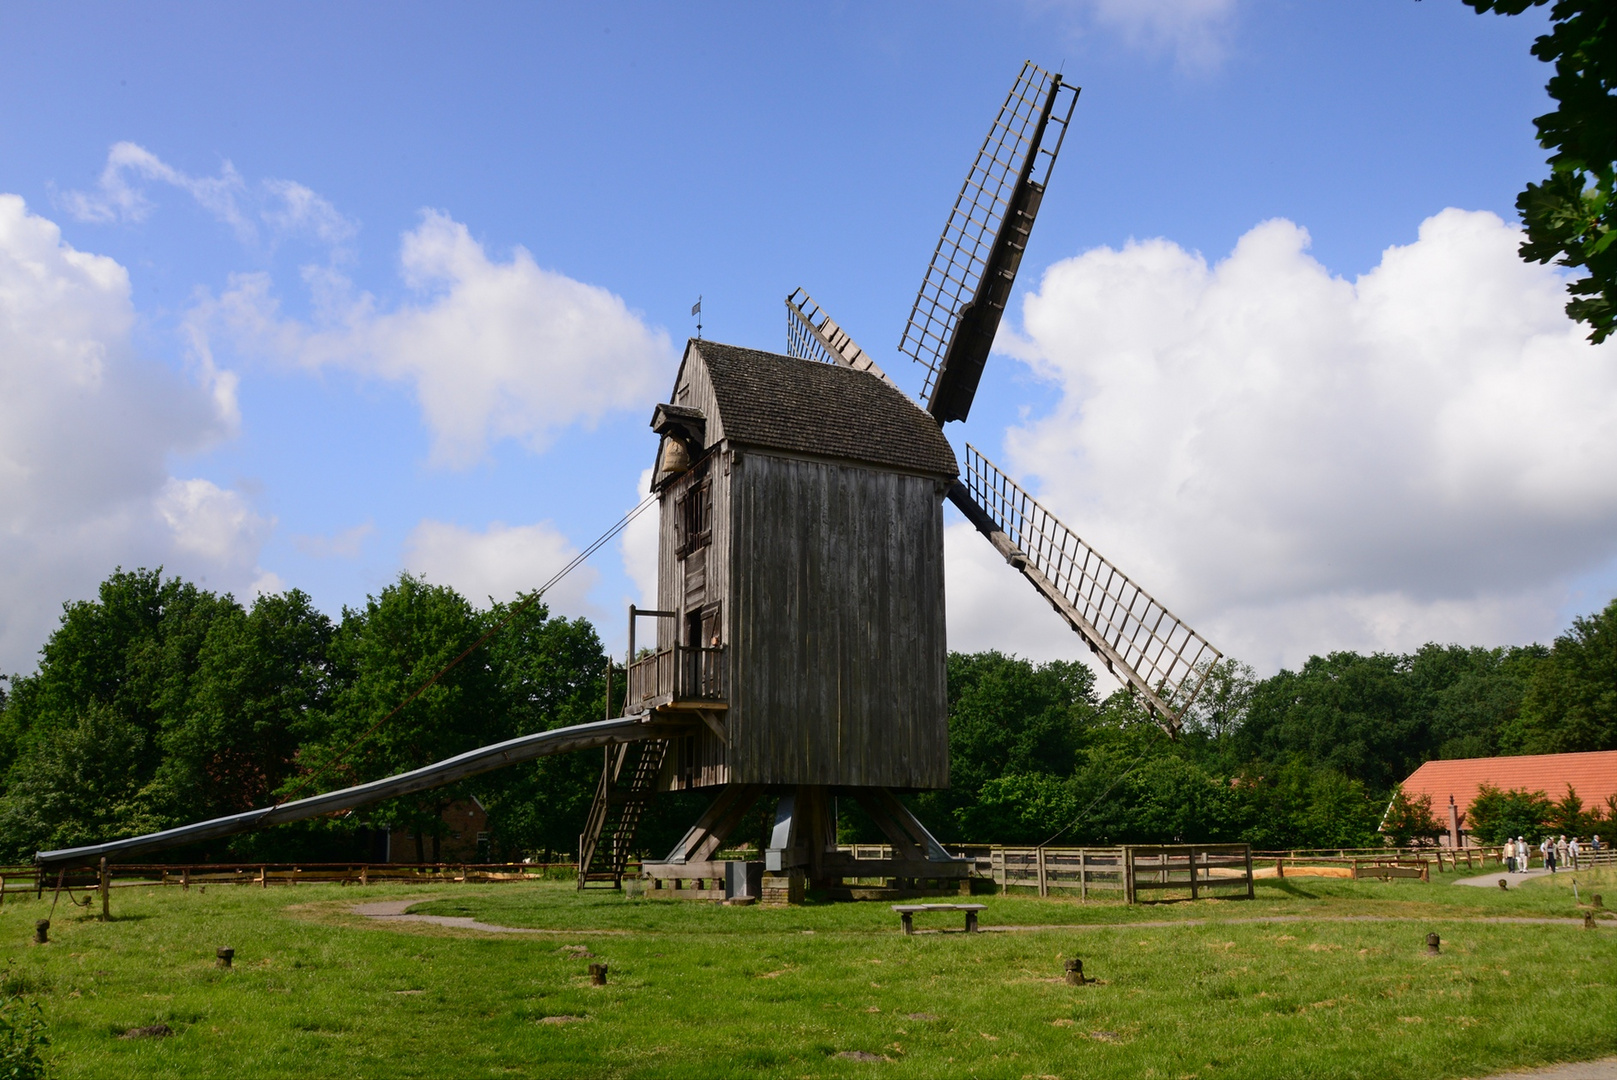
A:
1592,775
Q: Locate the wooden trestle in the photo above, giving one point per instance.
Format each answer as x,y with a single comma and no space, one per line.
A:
803,852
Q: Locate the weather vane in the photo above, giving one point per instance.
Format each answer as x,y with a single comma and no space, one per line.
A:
696,309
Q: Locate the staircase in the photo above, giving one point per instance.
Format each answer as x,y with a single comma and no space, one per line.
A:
628,781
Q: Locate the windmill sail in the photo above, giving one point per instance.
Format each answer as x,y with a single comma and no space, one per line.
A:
811,334
1141,640
956,314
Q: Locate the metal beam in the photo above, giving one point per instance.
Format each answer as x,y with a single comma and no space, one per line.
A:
472,763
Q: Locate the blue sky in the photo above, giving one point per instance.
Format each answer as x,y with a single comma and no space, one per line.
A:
315,200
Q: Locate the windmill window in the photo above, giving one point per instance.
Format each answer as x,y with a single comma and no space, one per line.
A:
693,520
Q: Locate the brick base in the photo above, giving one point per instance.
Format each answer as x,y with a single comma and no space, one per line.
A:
781,889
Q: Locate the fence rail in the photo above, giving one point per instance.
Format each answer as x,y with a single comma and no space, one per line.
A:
678,673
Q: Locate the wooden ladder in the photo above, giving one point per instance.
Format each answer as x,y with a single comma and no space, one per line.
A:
628,781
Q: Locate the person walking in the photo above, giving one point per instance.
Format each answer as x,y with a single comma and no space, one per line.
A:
1546,848
1524,858
1561,851
1573,850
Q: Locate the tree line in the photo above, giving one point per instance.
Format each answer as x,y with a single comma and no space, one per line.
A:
159,703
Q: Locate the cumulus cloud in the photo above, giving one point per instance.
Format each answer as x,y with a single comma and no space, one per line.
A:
86,428
286,207
638,546
501,561
1296,462
495,350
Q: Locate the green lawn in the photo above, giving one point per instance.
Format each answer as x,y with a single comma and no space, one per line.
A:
701,990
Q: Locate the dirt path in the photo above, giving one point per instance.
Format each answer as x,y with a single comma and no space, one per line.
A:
1491,881
1604,1069
398,911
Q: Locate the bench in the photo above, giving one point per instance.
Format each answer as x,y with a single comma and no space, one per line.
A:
906,912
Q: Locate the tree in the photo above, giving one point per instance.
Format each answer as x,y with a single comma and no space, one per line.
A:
1409,818
1356,715
74,786
1570,216
1008,716
83,737
1570,702
550,674
380,655
1495,816
1569,818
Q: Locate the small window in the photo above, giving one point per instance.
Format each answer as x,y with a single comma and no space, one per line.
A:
693,520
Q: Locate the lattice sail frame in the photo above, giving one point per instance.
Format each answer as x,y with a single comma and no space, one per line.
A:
962,253
1163,658
811,334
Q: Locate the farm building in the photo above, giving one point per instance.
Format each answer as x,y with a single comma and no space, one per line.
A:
1455,783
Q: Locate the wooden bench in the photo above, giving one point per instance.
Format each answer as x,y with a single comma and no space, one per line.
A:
906,912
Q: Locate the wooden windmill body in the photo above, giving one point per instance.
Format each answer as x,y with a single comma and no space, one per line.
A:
800,603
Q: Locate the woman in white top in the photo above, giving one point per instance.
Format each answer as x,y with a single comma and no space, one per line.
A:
1573,850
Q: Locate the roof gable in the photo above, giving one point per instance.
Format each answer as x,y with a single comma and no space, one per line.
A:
824,410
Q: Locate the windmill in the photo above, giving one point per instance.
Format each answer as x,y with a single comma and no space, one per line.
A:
797,651
775,475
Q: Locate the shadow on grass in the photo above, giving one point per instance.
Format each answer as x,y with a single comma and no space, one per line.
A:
1296,892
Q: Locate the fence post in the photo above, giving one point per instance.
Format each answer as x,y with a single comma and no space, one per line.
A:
1249,893
1194,893
1128,875
1044,883
106,896
1083,873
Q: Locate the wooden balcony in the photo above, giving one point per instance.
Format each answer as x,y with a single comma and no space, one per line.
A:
683,676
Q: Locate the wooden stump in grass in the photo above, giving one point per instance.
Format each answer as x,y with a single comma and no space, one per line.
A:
42,931
223,956
1433,943
597,974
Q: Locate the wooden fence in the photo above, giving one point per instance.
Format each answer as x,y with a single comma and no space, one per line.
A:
1223,870
1118,873
20,879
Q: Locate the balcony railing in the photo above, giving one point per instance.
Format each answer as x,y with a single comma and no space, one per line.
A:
681,673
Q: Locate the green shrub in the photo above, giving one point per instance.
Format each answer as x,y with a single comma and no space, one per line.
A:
23,1040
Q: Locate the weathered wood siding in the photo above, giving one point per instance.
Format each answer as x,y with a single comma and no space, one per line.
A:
835,615
701,760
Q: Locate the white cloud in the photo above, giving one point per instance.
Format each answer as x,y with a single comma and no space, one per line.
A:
287,207
86,428
638,546
495,350
1295,462
501,561
211,522
1196,32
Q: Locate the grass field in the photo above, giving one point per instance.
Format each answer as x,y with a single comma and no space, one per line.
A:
702,990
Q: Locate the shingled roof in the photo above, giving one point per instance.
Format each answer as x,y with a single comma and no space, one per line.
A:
808,407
